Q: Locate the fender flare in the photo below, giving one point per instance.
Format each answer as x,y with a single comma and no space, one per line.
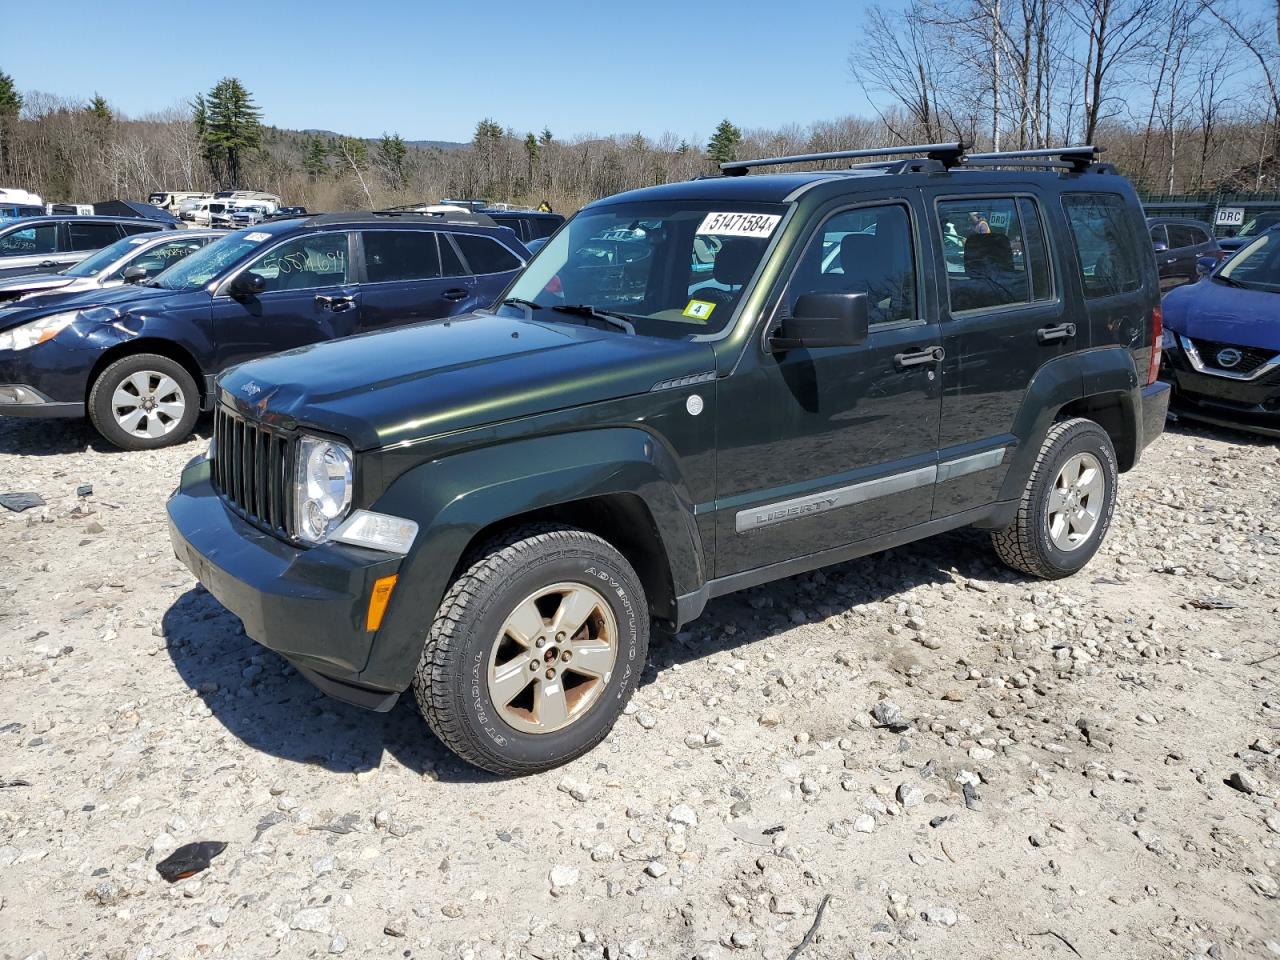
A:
454,498
1077,376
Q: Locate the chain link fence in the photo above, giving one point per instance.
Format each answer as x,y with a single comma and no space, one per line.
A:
1225,212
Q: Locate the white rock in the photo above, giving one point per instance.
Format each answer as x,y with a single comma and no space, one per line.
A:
684,814
312,920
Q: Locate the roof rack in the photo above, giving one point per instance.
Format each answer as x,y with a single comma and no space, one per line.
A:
1077,158
475,219
939,157
947,154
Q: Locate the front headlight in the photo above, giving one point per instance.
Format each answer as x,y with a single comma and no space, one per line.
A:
321,487
37,331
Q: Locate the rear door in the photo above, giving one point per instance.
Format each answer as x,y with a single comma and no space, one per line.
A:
31,248
1003,317
1185,244
491,264
310,297
403,281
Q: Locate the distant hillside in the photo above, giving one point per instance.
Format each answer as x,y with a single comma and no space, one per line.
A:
418,144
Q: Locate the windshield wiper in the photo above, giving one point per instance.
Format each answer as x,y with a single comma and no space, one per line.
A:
520,302
618,321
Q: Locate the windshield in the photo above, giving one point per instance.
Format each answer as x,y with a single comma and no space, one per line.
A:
1256,266
205,264
673,269
1258,224
95,264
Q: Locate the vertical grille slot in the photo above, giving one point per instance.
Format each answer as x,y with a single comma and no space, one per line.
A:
251,470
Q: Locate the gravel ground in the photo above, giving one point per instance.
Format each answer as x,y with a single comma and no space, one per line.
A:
966,763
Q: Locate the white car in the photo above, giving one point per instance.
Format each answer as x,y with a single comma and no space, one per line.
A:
129,260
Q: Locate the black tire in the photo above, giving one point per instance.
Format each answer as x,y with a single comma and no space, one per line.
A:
1026,544
451,684
174,428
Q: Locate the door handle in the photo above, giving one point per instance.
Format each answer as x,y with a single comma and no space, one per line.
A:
1063,331
455,294
914,359
48,263
336,304
1172,260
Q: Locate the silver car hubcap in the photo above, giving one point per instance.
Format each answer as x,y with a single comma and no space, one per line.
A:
553,657
1076,501
148,404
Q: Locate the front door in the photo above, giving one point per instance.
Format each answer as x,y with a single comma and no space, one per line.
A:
34,248
309,297
820,448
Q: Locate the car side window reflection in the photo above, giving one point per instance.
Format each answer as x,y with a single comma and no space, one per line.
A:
868,250
314,260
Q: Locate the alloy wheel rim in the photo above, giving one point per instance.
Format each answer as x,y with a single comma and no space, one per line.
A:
1076,502
148,404
553,658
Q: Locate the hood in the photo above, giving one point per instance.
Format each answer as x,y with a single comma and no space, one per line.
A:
120,298
1225,314
13,287
1233,243
447,375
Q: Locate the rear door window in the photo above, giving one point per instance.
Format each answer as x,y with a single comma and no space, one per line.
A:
391,255
544,226
995,251
132,228
1106,247
1181,236
92,236
486,255
30,241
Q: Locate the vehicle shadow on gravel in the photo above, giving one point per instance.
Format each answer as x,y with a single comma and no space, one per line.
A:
741,619
51,438
277,712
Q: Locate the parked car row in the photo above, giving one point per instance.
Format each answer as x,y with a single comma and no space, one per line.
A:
46,244
140,360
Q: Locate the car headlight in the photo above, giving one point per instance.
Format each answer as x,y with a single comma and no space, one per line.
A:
37,331
321,487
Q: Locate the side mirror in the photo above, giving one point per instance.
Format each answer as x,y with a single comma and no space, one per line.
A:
134,274
1205,265
1159,247
824,320
247,285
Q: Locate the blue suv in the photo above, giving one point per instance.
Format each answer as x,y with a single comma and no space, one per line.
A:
140,361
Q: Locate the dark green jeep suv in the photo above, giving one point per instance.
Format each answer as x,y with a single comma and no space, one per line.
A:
691,389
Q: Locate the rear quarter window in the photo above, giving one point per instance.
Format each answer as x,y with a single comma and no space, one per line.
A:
1108,251
486,255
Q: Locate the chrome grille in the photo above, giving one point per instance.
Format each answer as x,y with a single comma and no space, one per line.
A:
1251,358
253,470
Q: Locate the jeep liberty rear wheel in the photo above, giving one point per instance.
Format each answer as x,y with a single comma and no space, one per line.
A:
1067,505
535,650
144,401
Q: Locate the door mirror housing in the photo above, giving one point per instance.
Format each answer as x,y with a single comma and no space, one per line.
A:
1205,265
134,274
1160,247
824,320
247,285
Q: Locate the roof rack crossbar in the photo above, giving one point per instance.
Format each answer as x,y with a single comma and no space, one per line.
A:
948,154
1079,157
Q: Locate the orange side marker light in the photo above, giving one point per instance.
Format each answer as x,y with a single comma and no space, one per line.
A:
378,601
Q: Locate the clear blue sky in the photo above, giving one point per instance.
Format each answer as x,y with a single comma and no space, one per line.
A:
430,70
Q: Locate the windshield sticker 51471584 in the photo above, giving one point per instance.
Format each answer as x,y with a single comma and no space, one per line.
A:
739,224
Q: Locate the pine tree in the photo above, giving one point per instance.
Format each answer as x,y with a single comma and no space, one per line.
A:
545,137
316,160
532,151
723,144
10,106
232,127
391,156
98,109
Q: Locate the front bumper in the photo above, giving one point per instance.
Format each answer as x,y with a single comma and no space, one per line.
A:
307,604
34,403
1251,405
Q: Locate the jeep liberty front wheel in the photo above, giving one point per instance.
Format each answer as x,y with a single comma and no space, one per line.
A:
1067,505
535,650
